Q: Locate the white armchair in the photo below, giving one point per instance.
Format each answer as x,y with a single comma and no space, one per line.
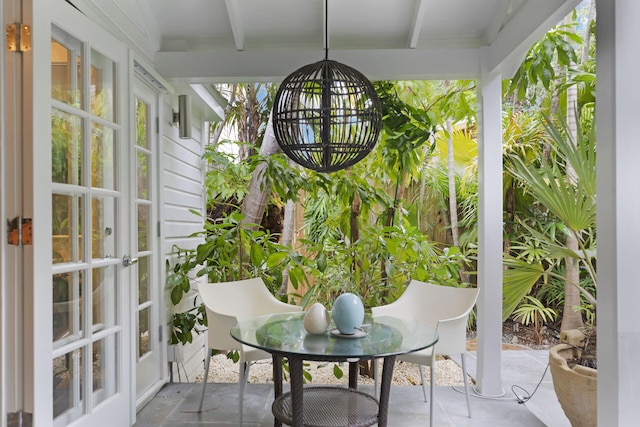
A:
226,304
444,308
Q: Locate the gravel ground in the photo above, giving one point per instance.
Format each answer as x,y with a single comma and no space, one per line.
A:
223,370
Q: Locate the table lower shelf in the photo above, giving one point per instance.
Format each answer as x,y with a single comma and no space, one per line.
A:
329,407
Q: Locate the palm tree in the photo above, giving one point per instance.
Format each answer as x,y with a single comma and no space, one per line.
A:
570,199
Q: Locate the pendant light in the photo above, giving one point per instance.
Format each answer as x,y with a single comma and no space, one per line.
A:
326,115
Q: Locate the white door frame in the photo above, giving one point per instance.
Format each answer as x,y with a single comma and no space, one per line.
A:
12,124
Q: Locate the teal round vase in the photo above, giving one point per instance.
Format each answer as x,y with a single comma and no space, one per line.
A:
348,313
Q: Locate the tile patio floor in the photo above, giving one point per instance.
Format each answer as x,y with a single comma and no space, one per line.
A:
177,403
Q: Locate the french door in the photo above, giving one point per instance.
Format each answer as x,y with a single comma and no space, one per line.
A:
149,360
91,225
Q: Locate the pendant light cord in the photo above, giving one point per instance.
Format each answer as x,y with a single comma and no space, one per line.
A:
326,30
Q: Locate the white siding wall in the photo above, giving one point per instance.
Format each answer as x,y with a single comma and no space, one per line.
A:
181,177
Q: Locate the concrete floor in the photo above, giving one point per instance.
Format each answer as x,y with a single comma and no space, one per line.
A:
177,403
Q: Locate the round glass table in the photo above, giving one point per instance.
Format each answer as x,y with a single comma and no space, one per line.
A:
283,335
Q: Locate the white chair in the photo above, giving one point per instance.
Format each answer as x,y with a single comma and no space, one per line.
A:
228,303
444,308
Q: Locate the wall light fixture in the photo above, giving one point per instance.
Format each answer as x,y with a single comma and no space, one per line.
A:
183,116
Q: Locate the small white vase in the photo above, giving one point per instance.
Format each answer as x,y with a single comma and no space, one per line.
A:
316,320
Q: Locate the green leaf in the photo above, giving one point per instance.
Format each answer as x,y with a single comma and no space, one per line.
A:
307,376
518,280
186,284
176,295
275,259
321,262
337,372
522,88
234,355
256,255
308,295
534,312
204,250
546,75
298,276
563,57
174,280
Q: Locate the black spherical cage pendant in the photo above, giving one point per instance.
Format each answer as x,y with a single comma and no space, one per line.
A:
326,116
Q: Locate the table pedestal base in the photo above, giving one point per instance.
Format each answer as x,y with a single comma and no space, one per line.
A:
321,406
329,407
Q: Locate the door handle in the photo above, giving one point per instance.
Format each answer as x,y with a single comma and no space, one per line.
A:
128,261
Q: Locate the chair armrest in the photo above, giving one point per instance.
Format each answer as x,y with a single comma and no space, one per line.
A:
282,307
453,335
396,308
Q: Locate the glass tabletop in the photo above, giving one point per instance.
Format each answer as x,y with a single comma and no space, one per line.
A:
284,334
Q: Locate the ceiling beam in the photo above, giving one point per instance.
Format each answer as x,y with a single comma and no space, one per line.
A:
229,66
416,25
211,97
499,17
533,19
233,10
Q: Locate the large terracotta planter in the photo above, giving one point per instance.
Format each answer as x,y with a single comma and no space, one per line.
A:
576,388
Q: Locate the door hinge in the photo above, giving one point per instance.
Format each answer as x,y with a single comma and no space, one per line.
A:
19,419
18,37
157,124
158,228
19,231
160,333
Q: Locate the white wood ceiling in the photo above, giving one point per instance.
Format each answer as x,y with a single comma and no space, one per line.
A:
199,41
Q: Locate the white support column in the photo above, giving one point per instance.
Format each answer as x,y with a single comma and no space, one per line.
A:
489,380
618,215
